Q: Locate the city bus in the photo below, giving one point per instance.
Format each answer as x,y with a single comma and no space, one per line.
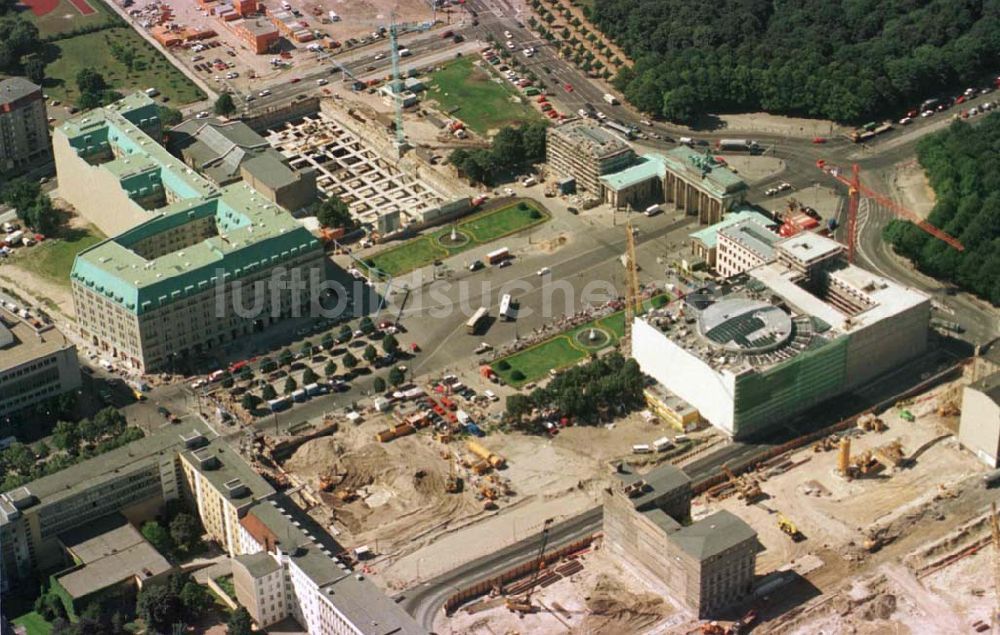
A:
507,311
476,320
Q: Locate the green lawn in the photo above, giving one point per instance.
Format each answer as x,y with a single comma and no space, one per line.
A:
53,258
93,50
562,350
33,623
481,229
468,92
226,584
65,17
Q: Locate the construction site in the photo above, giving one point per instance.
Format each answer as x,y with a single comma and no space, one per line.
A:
353,161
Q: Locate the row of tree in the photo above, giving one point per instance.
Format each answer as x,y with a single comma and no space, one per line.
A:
839,59
600,390
511,148
963,167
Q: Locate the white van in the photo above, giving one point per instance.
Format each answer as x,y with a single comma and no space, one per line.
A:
686,141
641,449
662,444
652,210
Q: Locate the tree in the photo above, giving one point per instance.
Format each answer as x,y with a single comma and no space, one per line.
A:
309,376
345,333
267,365
330,369
680,104
366,325
224,105
390,344
349,361
327,342
169,117
228,382
518,405
269,393
307,348
239,623
396,376
478,166
90,81
249,401
285,357
378,385
158,607
334,212
246,373
370,354
50,606
534,136
20,194
195,599
457,157
157,536
508,147
185,531
290,385
65,436
34,69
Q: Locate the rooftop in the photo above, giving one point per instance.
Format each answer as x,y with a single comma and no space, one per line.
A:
111,551
596,141
808,247
20,342
751,235
659,482
713,535
15,88
257,26
110,465
259,564
648,166
703,169
708,236
742,324
228,473
219,149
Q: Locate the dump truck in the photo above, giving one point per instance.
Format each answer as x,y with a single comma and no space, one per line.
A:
495,460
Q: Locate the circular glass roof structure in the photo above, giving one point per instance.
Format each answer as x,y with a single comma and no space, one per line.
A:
742,325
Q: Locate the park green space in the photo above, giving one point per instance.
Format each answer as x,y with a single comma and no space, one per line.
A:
65,18
33,623
564,349
53,258
470,94
93,50
479,229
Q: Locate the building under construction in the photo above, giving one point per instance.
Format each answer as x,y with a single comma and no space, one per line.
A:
708,565
585,152
786,336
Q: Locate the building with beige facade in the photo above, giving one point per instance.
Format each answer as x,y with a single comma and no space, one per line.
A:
24,126
705,241
707,565
584,152
743,246
191,266
979,428
37,362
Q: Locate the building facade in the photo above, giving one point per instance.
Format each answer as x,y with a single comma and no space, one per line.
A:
24,127
707,565
784,337
744,246
37,362
979,428
585,152
705,241
191,265
259,34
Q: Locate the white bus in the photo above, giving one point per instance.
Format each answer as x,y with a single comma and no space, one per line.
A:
477,318
507,311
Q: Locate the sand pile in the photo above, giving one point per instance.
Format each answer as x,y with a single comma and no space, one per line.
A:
613,609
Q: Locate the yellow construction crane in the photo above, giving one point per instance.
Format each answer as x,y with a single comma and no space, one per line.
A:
995,527
632,297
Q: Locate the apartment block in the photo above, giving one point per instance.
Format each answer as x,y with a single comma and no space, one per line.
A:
191,265
743,246
24,127
585,152
707,565
37,362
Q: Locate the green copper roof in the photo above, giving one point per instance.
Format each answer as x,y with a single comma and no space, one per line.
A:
702,167
647,167
251,233
709,236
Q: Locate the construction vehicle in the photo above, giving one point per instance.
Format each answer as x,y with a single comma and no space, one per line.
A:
824,445
523,604
906,415
495,460
870,423
787,526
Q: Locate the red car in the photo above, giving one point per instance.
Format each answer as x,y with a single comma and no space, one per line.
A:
568,88
819,140
296,80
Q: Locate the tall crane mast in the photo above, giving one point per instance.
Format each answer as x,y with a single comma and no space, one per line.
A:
523,605
397,85
855,189
632,298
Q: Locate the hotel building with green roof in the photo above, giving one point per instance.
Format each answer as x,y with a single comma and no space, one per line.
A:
161,290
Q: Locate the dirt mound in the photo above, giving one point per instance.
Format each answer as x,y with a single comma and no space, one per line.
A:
613,609
881,607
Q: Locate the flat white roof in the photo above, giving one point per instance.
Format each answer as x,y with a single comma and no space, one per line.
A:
807,246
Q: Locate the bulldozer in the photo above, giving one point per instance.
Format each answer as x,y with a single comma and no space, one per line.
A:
787,526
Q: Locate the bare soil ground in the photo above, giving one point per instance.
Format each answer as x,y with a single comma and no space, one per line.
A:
762,122
602,599
912,189
754,169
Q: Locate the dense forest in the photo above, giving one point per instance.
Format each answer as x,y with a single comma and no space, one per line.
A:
846,60
963,166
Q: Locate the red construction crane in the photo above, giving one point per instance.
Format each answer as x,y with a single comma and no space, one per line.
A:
856,188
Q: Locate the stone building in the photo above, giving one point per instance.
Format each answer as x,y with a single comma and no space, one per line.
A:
585,152
24,128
